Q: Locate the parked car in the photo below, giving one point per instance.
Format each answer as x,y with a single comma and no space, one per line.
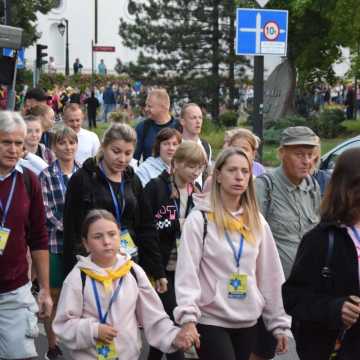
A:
328,160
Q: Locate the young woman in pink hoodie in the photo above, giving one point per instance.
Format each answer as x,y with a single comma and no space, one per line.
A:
106,296
228,270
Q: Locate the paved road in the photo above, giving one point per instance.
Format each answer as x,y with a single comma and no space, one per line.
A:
42,347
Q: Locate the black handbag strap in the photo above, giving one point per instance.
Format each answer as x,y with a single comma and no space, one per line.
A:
326,270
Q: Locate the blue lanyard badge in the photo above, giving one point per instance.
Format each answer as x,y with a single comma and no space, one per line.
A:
9,200
237,254
114,296
356,233
119,207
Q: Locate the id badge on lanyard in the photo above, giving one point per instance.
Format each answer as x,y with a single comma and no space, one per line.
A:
105,351
4,231
127,243
237,283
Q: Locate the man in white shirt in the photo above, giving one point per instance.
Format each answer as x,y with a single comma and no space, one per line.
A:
191,120
88,142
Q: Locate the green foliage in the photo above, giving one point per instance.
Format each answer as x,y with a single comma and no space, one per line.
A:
352,126
188,44
81,81
23,15
228,119
327,124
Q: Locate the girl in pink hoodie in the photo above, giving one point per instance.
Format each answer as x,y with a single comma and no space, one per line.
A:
106,296
228,270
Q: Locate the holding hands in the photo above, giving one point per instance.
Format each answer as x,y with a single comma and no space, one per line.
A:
282,345
187,337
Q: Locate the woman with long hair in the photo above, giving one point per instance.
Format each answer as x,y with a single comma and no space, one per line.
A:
170,197
54,181
108,182
228,270
322,292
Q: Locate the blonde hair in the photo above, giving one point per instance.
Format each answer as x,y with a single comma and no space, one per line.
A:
116,132
248,199
246,134
190,153
161,95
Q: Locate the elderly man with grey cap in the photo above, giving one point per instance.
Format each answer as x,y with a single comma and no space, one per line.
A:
289,199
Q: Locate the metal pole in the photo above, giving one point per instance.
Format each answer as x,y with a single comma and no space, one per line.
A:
92,66
96,21
11,96
7,12
258,99
67,67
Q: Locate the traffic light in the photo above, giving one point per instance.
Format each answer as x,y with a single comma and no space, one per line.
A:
40,54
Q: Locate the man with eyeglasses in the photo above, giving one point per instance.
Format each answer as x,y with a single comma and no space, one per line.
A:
289,199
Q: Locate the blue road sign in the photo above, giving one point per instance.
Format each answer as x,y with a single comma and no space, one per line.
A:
21,56
261,32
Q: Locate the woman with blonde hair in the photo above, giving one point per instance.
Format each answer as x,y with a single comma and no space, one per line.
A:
228,270
170,198
108,182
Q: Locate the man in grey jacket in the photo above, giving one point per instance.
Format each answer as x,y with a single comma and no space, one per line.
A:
289,199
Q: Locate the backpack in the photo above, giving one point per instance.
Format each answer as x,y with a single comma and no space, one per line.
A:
270,187
206,147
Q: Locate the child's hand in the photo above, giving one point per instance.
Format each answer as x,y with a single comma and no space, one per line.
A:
106,333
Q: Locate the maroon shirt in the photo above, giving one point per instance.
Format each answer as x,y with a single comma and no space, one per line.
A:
27,222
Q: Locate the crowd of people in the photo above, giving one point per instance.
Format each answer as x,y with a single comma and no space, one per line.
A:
144,231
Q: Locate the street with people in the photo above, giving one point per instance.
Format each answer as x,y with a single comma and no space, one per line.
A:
151,213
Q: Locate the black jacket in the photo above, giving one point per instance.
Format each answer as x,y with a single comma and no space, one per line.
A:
314,301
164,213
87,190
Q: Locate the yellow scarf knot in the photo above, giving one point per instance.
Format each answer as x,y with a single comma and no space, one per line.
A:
112,275
233,224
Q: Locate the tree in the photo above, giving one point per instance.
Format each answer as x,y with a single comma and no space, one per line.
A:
189,42
23,15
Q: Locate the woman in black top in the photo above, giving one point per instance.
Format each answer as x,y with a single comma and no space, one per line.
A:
108,182
170,197
322,292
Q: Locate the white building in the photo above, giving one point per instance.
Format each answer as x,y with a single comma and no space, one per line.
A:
81,17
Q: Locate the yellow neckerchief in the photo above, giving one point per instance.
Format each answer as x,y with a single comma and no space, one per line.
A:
233,224
112,275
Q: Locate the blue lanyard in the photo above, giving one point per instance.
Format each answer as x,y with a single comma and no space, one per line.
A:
97,299
119,208
356,233
61,176
237,254
9,200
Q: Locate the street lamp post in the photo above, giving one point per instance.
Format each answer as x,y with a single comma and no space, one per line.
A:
62,27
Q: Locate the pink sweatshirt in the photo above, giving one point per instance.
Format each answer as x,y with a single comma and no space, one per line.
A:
204,267
76,321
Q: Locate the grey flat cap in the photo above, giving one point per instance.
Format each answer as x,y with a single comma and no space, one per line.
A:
298,135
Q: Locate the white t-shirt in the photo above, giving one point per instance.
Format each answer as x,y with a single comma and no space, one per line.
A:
33,162
88,145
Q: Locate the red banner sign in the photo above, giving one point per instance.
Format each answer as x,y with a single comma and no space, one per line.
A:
104,48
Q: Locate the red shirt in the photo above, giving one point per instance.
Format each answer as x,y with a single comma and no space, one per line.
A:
27,223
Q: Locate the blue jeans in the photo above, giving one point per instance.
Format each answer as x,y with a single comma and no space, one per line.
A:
108,108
